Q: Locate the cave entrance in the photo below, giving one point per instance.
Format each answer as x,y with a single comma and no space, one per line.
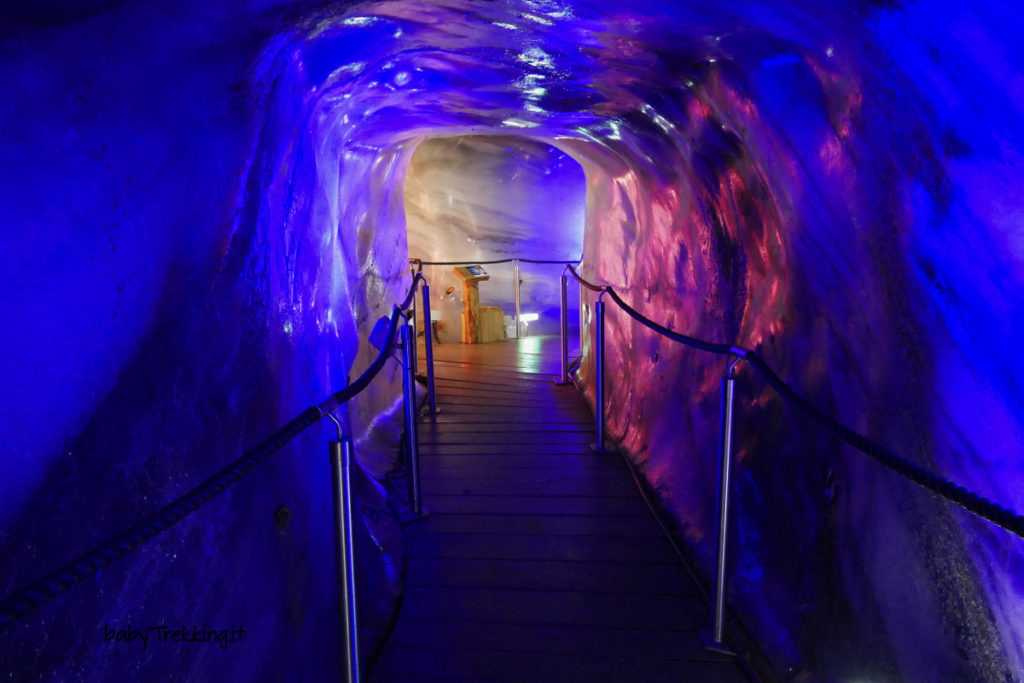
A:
478,198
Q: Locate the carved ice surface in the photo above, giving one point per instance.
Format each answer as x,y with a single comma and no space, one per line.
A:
486,198
202,218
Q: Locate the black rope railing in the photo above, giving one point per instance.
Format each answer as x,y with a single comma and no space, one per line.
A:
968,500
418,277
490,263
589,285
30,598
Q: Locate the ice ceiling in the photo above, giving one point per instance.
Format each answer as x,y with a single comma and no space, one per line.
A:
835,184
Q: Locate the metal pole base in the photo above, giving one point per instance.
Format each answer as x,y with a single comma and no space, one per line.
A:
563,330
594,447
412,444
407,516
708,641
341,455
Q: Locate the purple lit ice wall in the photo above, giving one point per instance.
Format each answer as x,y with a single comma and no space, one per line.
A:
203,214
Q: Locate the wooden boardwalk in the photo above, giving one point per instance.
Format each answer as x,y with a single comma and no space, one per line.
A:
539,561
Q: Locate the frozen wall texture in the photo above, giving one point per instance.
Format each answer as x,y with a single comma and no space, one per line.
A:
182,275
202,213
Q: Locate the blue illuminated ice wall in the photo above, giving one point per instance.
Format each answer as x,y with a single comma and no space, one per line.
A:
181,275
834,184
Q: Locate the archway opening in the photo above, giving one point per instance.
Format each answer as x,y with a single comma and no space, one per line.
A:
479,198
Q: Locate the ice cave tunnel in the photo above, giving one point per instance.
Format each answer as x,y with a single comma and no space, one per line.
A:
206,208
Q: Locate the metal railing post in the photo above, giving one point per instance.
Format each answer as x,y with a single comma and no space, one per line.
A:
411,437
564,327
599,371
715,639
342,455
428,343
516,275
415,333
583,302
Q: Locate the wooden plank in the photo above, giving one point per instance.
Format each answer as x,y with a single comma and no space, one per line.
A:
548,347
499,374
525,399
498,394
587,640
541,525
556,608
486,360
483,382
498,354
514,407
501,666
470,422
549,486
578,411
488,427
522,475
507,437
445,401
496,374
515,414
516,450
538,560
501,391
536,505
551,575
489,546
452,412
535,393
547,458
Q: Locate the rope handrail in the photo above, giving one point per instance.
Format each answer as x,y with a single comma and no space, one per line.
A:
418,277
31,597
710,347
26,600
589,285
490,263
968,500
